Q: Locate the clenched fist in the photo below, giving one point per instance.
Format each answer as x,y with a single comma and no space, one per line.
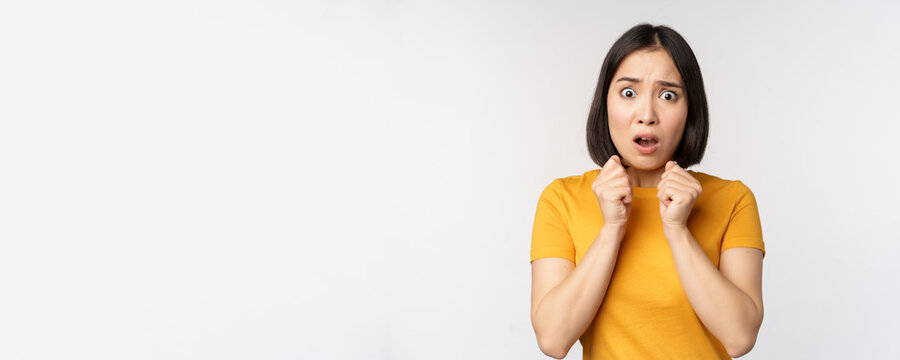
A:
613,190
677,192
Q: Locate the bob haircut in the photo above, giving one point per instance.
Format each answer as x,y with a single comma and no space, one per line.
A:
696,129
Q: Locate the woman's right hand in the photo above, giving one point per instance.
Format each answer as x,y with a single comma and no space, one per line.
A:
613,190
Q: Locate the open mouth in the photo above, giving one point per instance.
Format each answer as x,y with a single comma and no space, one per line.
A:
645,142
646,145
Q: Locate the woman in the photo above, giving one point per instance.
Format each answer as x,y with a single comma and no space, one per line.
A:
643,259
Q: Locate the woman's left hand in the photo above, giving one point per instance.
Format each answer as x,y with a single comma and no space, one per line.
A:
677,192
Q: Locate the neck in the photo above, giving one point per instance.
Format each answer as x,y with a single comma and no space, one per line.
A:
644,178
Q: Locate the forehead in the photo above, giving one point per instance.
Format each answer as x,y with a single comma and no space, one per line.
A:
651,64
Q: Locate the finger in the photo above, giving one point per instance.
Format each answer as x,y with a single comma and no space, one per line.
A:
683,177
612,159
678,192
608,173
661,191
617,161
619,193
623,167
664,189
678,172
690,182
605,171
611,164
677,176
672,166
676,168
613,167
621,162
625,195
664,196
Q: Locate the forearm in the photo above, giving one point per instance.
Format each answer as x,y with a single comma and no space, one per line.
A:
729,313
568,309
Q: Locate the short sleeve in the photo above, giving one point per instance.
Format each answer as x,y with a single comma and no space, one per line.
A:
744,228
550,236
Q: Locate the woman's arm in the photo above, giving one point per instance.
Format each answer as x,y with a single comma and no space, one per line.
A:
727,300
565,298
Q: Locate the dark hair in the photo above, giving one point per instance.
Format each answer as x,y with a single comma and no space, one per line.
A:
696,128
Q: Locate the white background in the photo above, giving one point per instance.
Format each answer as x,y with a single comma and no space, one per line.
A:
358,180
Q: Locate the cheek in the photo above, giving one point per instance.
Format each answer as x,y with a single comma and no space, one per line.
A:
674,122
673,112
616,112
618,122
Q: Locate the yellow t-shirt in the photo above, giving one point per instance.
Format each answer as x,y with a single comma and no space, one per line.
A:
645,313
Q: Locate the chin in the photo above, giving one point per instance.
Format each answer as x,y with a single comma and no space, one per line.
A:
646,164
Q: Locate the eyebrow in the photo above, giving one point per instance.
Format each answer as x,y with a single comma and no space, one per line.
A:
661,82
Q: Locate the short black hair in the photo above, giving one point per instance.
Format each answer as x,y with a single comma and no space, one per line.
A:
696,129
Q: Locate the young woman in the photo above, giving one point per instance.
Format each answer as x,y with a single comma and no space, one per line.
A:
643,259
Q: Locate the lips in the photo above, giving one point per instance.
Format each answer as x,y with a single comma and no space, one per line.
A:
646,139
643,148
646,135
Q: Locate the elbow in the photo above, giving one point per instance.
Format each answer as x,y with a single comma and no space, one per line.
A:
740,346
556,352
737,351
551,338
552,348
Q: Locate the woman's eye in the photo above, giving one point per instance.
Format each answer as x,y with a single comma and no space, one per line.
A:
627,92
668,95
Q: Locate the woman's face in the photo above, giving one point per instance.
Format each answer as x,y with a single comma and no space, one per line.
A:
646,96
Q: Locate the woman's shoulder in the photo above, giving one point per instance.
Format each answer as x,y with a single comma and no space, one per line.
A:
715,184
569,186
571,182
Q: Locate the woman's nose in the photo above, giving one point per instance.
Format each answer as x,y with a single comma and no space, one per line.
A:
648,113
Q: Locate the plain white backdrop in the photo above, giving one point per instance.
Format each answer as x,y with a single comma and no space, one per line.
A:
358,180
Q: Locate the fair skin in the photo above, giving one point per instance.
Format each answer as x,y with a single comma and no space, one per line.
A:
727,299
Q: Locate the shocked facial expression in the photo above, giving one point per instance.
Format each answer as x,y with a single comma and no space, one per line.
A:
647,99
